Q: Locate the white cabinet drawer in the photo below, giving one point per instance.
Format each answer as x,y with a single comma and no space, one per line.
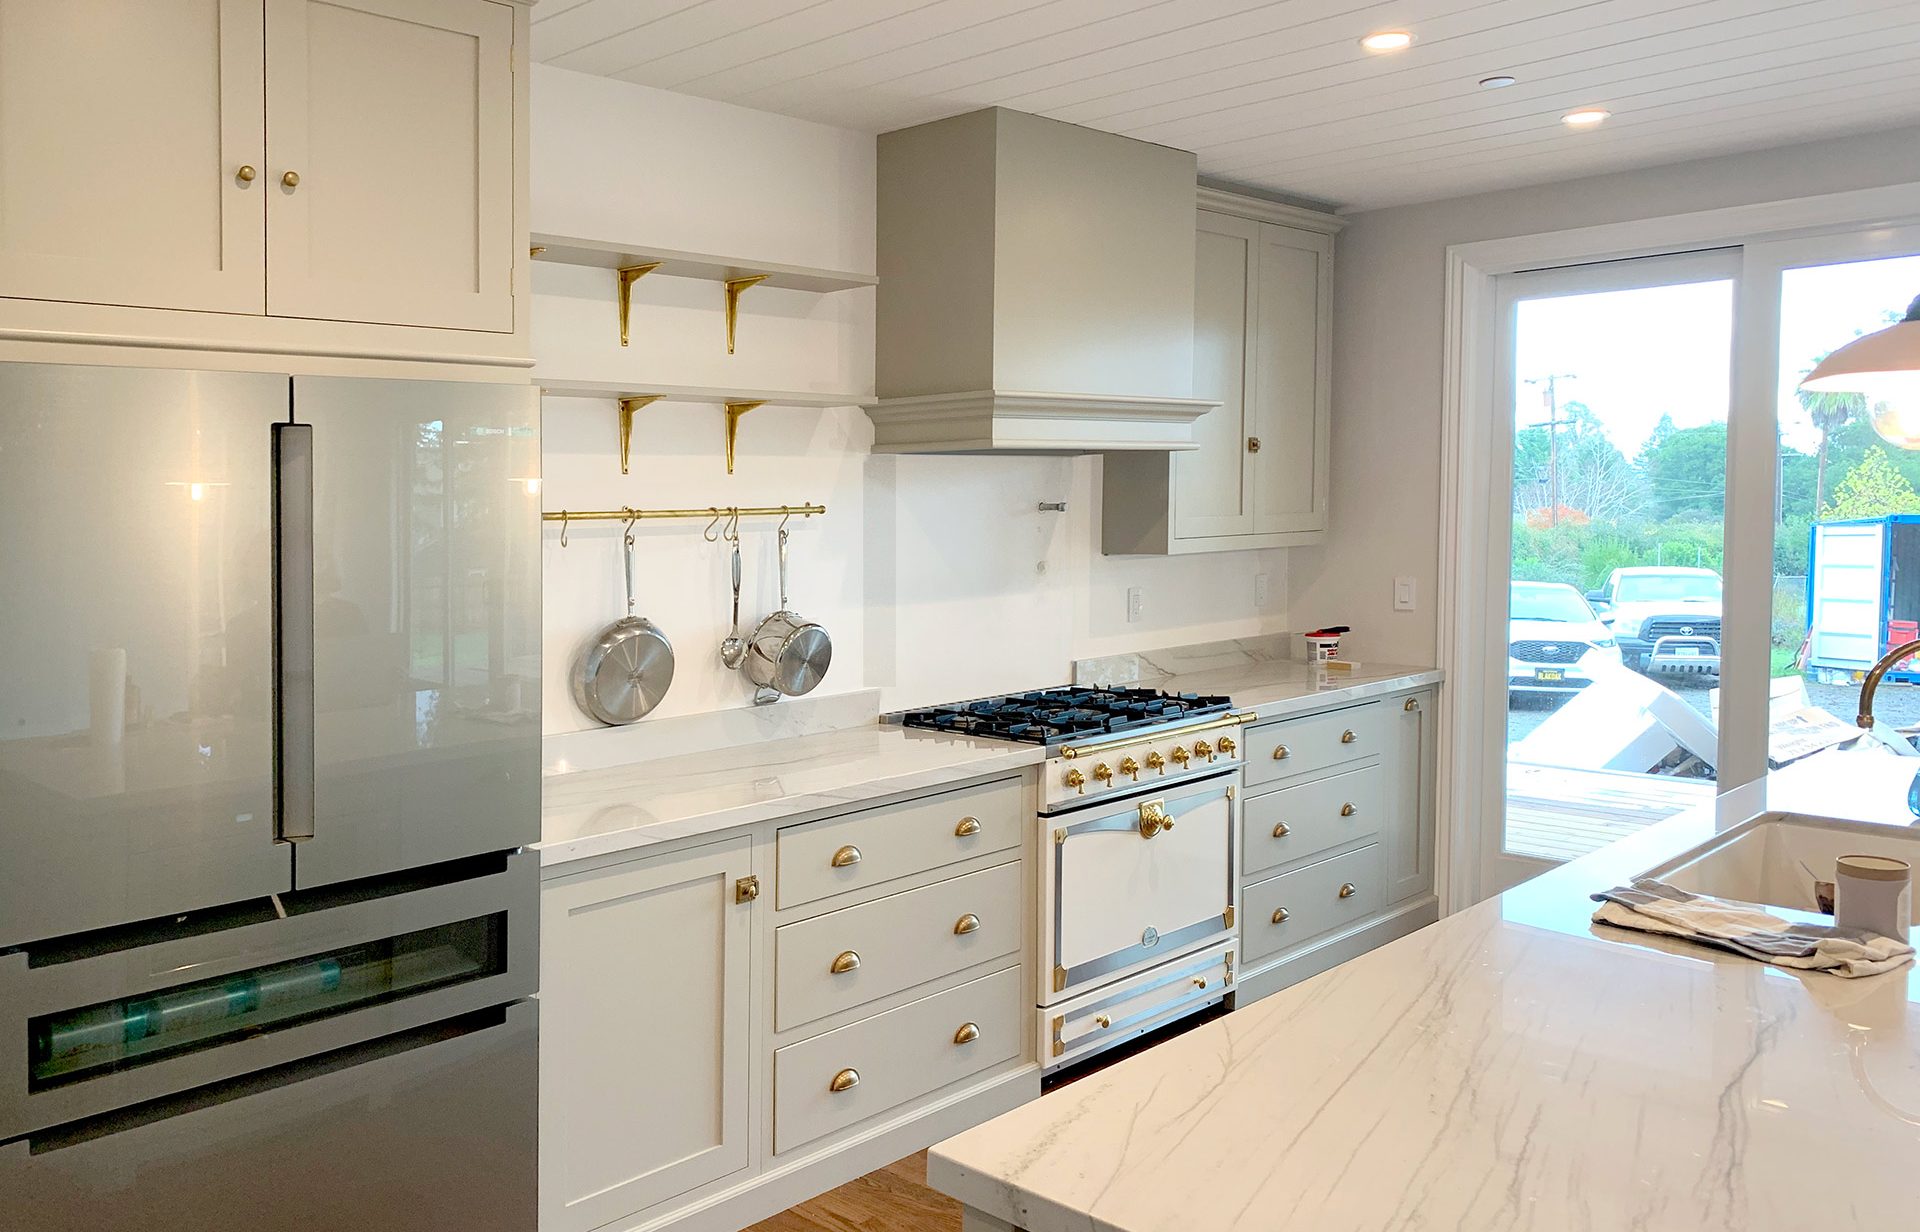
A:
1314,742
1294,908
1301,820
845,958
835,1080
841,854
1131,1007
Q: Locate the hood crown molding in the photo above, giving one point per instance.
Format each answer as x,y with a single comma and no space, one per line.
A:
1006,421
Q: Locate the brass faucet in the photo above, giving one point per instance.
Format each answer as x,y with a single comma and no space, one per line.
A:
1872,685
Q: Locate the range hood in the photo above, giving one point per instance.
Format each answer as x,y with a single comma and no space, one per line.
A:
1036,290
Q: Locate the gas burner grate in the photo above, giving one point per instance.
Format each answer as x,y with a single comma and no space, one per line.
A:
1066,713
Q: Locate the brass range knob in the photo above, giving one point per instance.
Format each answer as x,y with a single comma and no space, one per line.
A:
1102,1021
845,1080
1227,746
1156,762
1076,780
1102,772
1202,749
1199,981
1179,756
1130,768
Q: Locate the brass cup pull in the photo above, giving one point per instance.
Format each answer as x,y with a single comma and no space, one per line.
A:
1413,703
1281,829
245,174
968,923
1348,810
291,179
847,961
845,1080
968,827
1280,915
1102,1021
1347,890
968,1032
1347,737
1281,752
846,857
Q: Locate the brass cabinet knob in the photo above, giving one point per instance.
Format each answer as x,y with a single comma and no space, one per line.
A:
1202,749
1347,890
1280,915
1227,746
1281,829
846,857
1199,981
1156,762
1347,737
1281,752
1102,1021
1348,810
1102,772
1253,444
847,961
1077,780
1179,756
845,1080
245,174
291,179
968,1032
968,923
968,827
1130,768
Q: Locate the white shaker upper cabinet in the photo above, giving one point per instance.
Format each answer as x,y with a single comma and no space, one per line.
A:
132,143
390,136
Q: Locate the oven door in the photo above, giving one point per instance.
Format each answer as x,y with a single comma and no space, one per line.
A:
1126,890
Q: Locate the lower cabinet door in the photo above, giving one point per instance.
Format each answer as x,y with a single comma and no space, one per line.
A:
645,984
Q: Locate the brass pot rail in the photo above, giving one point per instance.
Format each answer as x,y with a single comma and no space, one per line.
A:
713,513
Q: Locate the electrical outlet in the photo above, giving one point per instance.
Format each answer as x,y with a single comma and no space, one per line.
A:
1403,594
1259,590
1135,603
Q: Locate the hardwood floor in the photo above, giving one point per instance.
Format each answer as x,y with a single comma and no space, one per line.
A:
893,1199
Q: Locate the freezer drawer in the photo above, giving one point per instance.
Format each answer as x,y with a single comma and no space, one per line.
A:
432,1128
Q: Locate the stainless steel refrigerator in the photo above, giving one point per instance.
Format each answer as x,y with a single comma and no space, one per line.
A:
269,755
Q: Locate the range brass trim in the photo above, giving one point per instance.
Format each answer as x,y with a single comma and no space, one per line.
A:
1227,917
1176,733
1059,979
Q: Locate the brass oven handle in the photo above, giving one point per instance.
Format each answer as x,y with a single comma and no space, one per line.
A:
845,1080
1102,1021
1154,818
1199,981
846,857
968,1032
1347,890
968,923
968,827
847,961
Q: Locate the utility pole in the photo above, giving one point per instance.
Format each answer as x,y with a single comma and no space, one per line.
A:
1551,396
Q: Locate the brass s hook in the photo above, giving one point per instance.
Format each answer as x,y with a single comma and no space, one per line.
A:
733,526
711,535
563,528
786,515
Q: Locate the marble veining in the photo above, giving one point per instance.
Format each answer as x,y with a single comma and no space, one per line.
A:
1256,672
1512,1067
1148,668
617,808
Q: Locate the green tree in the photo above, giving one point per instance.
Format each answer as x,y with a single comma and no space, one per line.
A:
1871,489
1686,470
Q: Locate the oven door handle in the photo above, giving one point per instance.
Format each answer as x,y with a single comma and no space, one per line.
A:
1154,818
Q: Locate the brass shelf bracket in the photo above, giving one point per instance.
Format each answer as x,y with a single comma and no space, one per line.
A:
628,275
627,407
734,287
735,412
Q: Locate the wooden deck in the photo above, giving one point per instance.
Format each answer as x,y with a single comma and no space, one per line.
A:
1558,814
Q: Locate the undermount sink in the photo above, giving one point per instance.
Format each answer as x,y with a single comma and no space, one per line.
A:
1775,859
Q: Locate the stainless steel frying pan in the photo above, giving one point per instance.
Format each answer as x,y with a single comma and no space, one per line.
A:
788,653
625,671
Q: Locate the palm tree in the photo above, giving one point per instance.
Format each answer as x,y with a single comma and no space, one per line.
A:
1829,411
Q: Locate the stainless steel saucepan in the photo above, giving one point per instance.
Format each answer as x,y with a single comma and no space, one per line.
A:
625,671
787,653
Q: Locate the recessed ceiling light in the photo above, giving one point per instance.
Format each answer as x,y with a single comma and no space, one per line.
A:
1387,40
1586,117
1499,81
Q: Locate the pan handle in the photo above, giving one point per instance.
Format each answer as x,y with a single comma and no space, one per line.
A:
736,584
783,569
293,633
627,551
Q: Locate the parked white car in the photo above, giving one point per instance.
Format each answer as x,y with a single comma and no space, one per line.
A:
1666,619
1555,644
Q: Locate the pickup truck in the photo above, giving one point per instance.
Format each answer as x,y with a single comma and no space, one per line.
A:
1665,619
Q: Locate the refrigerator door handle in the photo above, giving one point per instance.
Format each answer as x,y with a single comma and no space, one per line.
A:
293,633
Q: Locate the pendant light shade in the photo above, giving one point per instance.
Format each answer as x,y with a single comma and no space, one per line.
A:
1883,367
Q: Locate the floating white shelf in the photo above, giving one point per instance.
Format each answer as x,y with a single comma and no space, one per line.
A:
601,254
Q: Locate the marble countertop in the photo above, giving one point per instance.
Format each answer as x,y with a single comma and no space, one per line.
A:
616,808
1282,687
1512,1067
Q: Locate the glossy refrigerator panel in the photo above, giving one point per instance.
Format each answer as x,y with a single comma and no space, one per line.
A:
426,564
136,670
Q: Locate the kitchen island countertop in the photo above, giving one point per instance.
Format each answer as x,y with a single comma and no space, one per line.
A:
1512,1066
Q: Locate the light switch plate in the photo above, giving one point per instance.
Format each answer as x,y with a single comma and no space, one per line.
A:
1403,594
1135,603
1259,590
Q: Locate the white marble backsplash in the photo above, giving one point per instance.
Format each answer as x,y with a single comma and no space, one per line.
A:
1147,668
648,740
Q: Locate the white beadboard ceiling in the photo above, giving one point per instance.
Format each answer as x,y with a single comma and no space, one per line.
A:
1278,95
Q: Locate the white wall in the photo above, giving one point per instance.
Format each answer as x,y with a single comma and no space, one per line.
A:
1389,317
938,577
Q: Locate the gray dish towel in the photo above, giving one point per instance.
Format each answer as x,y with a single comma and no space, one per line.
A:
1656,907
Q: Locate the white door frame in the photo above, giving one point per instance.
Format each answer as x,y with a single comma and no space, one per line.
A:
1472,773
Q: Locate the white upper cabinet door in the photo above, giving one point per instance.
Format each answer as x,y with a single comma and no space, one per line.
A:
1212,496
390,139
1292,355
124,129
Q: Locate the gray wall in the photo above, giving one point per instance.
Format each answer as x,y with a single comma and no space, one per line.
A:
1389,320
